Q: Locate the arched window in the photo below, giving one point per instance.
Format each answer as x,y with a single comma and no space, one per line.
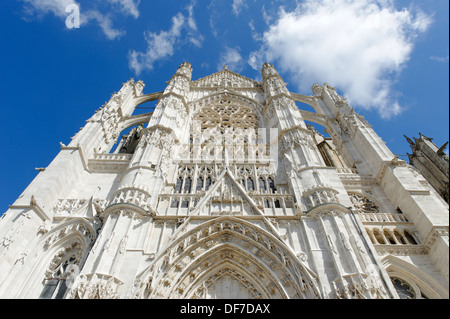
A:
185,204
250,184
208,183
56,285
187,185
262,185
174,203
199,184
179,185
271,185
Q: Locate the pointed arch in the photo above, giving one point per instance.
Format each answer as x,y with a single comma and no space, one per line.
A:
67,243
227,259
229,244
420,281
74,228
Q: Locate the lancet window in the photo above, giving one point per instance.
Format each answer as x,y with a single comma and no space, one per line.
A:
191,180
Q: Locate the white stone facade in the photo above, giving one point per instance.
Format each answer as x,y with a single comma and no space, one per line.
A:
224,191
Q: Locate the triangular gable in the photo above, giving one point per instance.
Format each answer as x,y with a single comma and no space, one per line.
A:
227,197
185,239
226,78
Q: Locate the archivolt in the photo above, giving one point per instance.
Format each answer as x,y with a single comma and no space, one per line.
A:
78,228
228,243
417,278
228,260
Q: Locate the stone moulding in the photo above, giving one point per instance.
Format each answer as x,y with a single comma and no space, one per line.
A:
127,208
109,163
229,235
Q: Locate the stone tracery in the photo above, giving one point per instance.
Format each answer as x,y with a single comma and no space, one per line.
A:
232,241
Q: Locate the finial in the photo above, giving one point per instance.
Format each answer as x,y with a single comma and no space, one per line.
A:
441,150
409,141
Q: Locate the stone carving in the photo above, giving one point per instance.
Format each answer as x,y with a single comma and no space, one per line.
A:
363,204
319,195
67,206
96,287
135,195
225,78
226,192
218,236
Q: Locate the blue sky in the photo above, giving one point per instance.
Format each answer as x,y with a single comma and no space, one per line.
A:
389,58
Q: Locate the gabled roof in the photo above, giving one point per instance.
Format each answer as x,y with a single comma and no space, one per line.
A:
226,78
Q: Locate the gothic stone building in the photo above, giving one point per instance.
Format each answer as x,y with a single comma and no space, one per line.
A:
431,162
226,191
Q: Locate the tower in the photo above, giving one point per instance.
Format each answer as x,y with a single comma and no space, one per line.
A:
226,191
431,162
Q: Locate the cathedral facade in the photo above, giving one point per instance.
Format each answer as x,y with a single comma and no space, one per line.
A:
226,190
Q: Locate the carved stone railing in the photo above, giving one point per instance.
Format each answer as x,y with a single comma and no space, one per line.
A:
275,199
179,201
383,218
318,196
346,170
132,195
351,176
400,250
113,157
67,206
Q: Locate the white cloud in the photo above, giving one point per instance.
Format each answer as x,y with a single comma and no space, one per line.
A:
162,44
194,36
43,7
159,45
441,59
232,59
128,6
237,6
256,60
357,46
40,8
255,35
104,22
